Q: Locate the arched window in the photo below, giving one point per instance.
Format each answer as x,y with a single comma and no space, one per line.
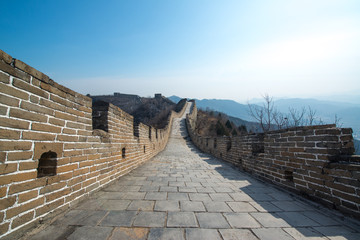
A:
47,164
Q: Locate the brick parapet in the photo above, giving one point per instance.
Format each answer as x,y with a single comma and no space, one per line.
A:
315,161
40,117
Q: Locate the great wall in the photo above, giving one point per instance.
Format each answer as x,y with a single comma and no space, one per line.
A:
56,149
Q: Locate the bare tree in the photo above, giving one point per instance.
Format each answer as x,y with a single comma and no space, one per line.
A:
280,119
263,114
297,117
311,116
337,121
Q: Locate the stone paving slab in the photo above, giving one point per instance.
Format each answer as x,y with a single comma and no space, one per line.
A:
184,194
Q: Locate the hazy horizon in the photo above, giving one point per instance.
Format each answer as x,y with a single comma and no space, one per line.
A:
231,49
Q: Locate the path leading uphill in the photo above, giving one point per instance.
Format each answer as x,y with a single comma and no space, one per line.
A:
185,194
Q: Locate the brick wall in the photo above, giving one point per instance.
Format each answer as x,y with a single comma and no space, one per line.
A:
50,156
315,161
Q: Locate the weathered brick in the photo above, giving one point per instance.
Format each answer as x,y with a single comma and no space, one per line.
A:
20,220
38,136
49,207
24,155
65,116
30,70
4,78
27,196
4,227
8,168
28,165
15,145
52,105
67,138
3,191
14,123
9,101
36,108
52,196
52,187
18,113
35,183
34,99
69,131
45,128
9,134
3,110
14,72
5,57
75,125
12,212
66,168
9,90
49,88
61,101
29,88
7,202
57,122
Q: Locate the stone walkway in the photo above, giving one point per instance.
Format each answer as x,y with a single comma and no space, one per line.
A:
185,194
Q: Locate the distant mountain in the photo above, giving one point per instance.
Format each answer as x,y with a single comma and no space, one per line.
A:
228,107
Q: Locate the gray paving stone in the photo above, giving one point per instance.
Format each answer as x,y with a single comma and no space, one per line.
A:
212,220
291,206
199,197
222,197
93,204
115,204
271,234
205,190
237,234
150,219
187,189
192,206
265,207
58,232
181,219
94,233
166,234
134,195
241,207
124,233
321,218
141,205
178,196
168,189
177,184
241,220
240,196
270,220
73,217
261,197
149,189
167,205
156,196
223,189
119,218
296,219
304,233
217,207
93,219
202,234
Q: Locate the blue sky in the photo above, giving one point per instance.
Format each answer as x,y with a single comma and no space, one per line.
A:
199,49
